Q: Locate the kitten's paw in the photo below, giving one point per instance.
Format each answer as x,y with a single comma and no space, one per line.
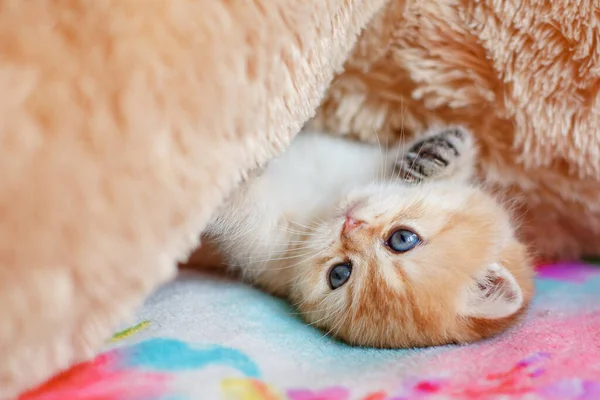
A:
446,153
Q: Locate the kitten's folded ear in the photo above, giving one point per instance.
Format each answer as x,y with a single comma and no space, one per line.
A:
494,294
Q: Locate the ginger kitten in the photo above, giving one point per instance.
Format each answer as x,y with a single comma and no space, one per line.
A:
385,249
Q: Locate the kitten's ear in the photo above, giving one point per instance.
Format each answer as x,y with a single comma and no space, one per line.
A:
494,294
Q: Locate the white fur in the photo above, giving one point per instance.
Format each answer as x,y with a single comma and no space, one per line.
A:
304,184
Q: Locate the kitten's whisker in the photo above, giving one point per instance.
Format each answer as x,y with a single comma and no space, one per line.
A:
319,310
297,304
280,242
297,232
381,163
402,145
326,316
288,230
304,247
301,225
284,247
302,302
302,260
295,252
282,258
338,324
278,256
385,162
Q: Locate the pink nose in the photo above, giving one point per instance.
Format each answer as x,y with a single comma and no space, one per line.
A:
350,224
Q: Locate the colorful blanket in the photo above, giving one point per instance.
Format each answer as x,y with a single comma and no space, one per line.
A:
206,337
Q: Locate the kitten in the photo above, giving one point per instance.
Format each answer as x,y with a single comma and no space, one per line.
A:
385,249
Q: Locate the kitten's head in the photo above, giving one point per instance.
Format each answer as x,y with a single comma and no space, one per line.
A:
404,266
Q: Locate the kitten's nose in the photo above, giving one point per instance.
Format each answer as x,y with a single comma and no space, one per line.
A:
350,224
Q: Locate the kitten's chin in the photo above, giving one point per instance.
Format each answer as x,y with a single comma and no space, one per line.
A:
465,331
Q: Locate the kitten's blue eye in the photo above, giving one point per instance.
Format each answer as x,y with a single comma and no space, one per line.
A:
339,275
403,240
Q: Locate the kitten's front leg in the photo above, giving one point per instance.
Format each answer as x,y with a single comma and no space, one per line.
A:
442,154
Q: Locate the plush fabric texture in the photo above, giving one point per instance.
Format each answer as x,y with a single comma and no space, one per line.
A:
207,337
524,75
123,124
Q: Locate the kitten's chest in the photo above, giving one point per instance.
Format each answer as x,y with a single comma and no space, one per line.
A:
315,172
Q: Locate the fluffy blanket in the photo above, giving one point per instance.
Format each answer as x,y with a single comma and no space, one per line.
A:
206,337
